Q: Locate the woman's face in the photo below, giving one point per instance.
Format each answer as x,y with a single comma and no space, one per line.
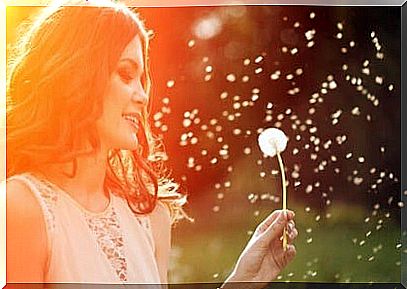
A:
124,101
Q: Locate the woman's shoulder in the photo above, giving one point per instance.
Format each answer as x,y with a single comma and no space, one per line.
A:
20,197
26,233
26,199
28,186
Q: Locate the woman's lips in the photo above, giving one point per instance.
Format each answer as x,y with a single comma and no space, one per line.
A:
132,120
134,125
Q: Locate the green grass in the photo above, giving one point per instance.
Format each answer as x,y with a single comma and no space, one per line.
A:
207,250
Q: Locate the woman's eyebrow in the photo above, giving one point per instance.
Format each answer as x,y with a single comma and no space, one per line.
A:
133,63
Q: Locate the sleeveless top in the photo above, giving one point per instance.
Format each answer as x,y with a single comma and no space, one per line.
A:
113,246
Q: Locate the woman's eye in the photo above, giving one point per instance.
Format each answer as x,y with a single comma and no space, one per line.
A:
125,76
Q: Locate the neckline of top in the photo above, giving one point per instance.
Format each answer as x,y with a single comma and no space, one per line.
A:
71,199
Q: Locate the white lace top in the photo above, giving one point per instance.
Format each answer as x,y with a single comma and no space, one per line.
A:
114,246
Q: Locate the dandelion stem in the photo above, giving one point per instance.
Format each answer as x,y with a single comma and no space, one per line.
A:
280,161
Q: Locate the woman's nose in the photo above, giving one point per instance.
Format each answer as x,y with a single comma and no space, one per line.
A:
140,97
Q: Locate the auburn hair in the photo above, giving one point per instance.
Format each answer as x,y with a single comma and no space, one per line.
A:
57,75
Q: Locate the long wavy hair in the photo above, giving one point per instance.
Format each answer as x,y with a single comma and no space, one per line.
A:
57,76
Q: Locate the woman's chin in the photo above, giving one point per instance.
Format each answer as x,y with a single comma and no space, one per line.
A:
128,144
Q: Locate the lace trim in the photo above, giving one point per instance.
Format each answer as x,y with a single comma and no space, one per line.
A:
110,240
105,226
48,197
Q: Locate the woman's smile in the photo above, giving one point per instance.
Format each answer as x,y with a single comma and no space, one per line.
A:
133,120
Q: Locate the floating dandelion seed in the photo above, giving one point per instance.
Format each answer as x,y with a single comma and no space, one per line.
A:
366,71
170,83
356,110
294,51
299,71
191,43
231,77
208,69
310,34
310,44
258,59
379,80
247,151
165,100
332,85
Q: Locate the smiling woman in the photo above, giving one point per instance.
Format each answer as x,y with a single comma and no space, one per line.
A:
79,146
88,197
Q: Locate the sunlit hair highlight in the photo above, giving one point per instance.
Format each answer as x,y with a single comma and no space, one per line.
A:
57,76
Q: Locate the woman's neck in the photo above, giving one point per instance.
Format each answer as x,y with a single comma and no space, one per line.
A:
86,186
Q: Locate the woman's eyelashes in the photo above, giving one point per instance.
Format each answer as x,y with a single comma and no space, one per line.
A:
125,75
128,76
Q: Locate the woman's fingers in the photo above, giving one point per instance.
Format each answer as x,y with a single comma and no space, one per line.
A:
272,227
290,215
292,236
290,225
286,256
268,221
272,217
290,253
275,230
292,231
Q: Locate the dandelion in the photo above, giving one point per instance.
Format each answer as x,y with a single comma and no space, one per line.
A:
273,141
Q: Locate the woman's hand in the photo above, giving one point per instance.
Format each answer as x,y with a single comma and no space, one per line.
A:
264,257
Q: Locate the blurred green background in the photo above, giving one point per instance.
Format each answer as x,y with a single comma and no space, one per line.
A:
333,251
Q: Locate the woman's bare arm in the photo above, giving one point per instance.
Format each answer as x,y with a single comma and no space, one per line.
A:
26,235
161,228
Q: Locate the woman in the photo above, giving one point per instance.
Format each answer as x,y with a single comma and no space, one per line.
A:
88,199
